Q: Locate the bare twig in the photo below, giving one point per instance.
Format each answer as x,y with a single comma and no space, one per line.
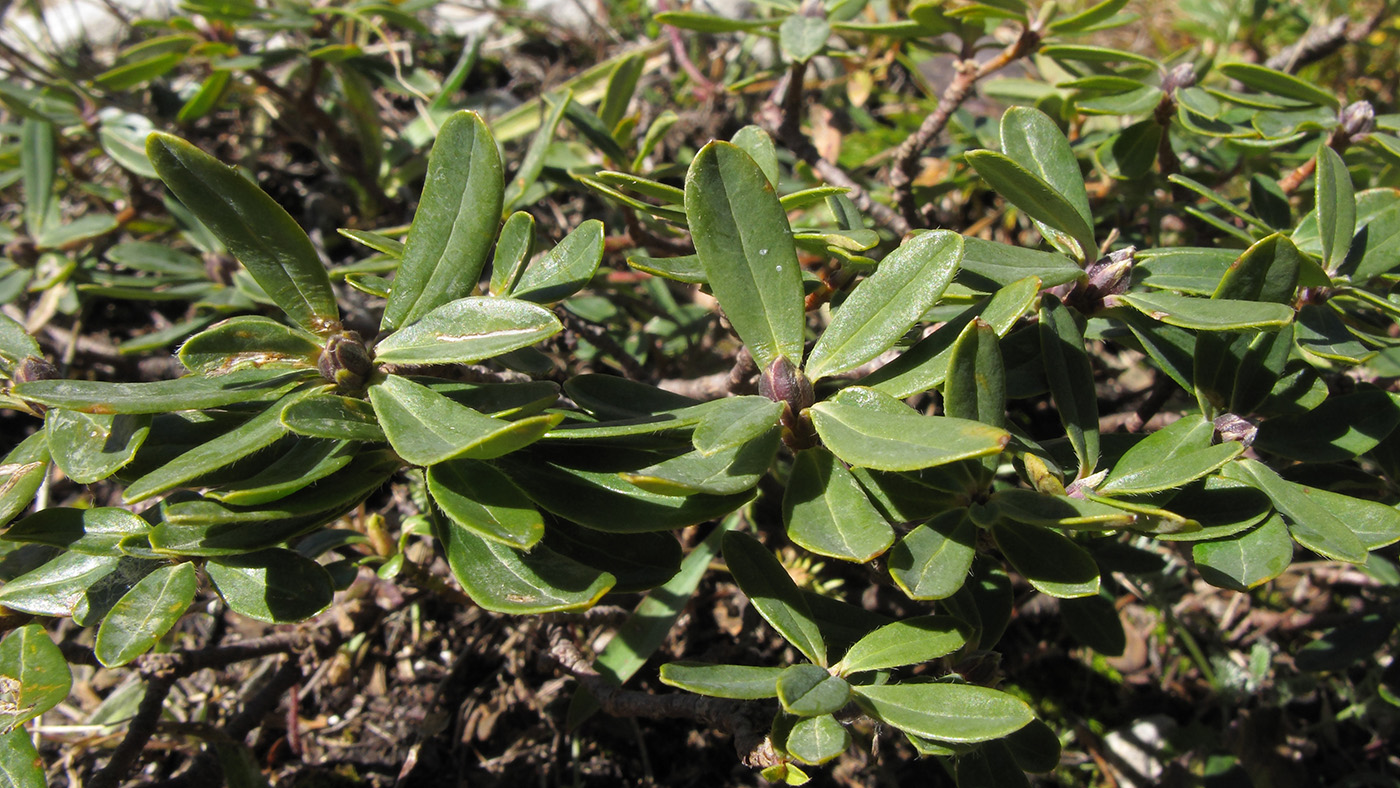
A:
748,723
1322,40
599,337
906,157
138,732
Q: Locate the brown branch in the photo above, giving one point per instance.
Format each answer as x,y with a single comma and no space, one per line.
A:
906,156
599,337
784,124
1321,41
748,723
138,732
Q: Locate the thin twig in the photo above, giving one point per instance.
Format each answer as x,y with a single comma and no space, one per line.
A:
599,337
906,157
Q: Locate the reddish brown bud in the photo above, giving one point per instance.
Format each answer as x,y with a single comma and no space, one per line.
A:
345,361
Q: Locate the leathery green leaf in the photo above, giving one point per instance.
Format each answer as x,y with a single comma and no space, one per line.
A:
740,682
1267,271
258,231
89,447
1336,207
145,613
15,345
933,560
468,330
882,308
505,580
1245,560
988,266
426,428
925,365
1031,138
909,642
745,246
1029,192
276,585
1049,561
162,396
827,512
808,690
513,249
1321,332
334,417
1030,507
477,496
566,268
1168,458
1071,380
607,502
816,740
30,659
20,764
900,441
1339,429
98,531
305,463
975,387
1312,522
21,473
248,340
733,470
455,224
1209,314
252,436
1278,83
734,421
773,593
950,712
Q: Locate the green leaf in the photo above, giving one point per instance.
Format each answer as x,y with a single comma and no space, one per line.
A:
277,586
925,365
802,37
731,471
203,101
1168,458
733,421
333,417
21,473
1267,271
808,690
248,341
38,165
1209,314
1094,54
20,764
1088,19
1071,380
739,682
988,266
1030,507
307,462
258,231
975,388
1189,269
754,141
15,345
98,531
773,593
1278,83
607,502
145,613
504,580
1340,429
710,23
816,740
1035,748
1246,560
41,675
1311,522
932,561
912,641
901,441
567,267
530,167
90,447
882,308
1130,154
477,496
187,393
1030,137
1032,194
1053,564
251,437
745,247
513,250
828,513
685,268
950,712
455,223
1321,332
425,427
468,330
